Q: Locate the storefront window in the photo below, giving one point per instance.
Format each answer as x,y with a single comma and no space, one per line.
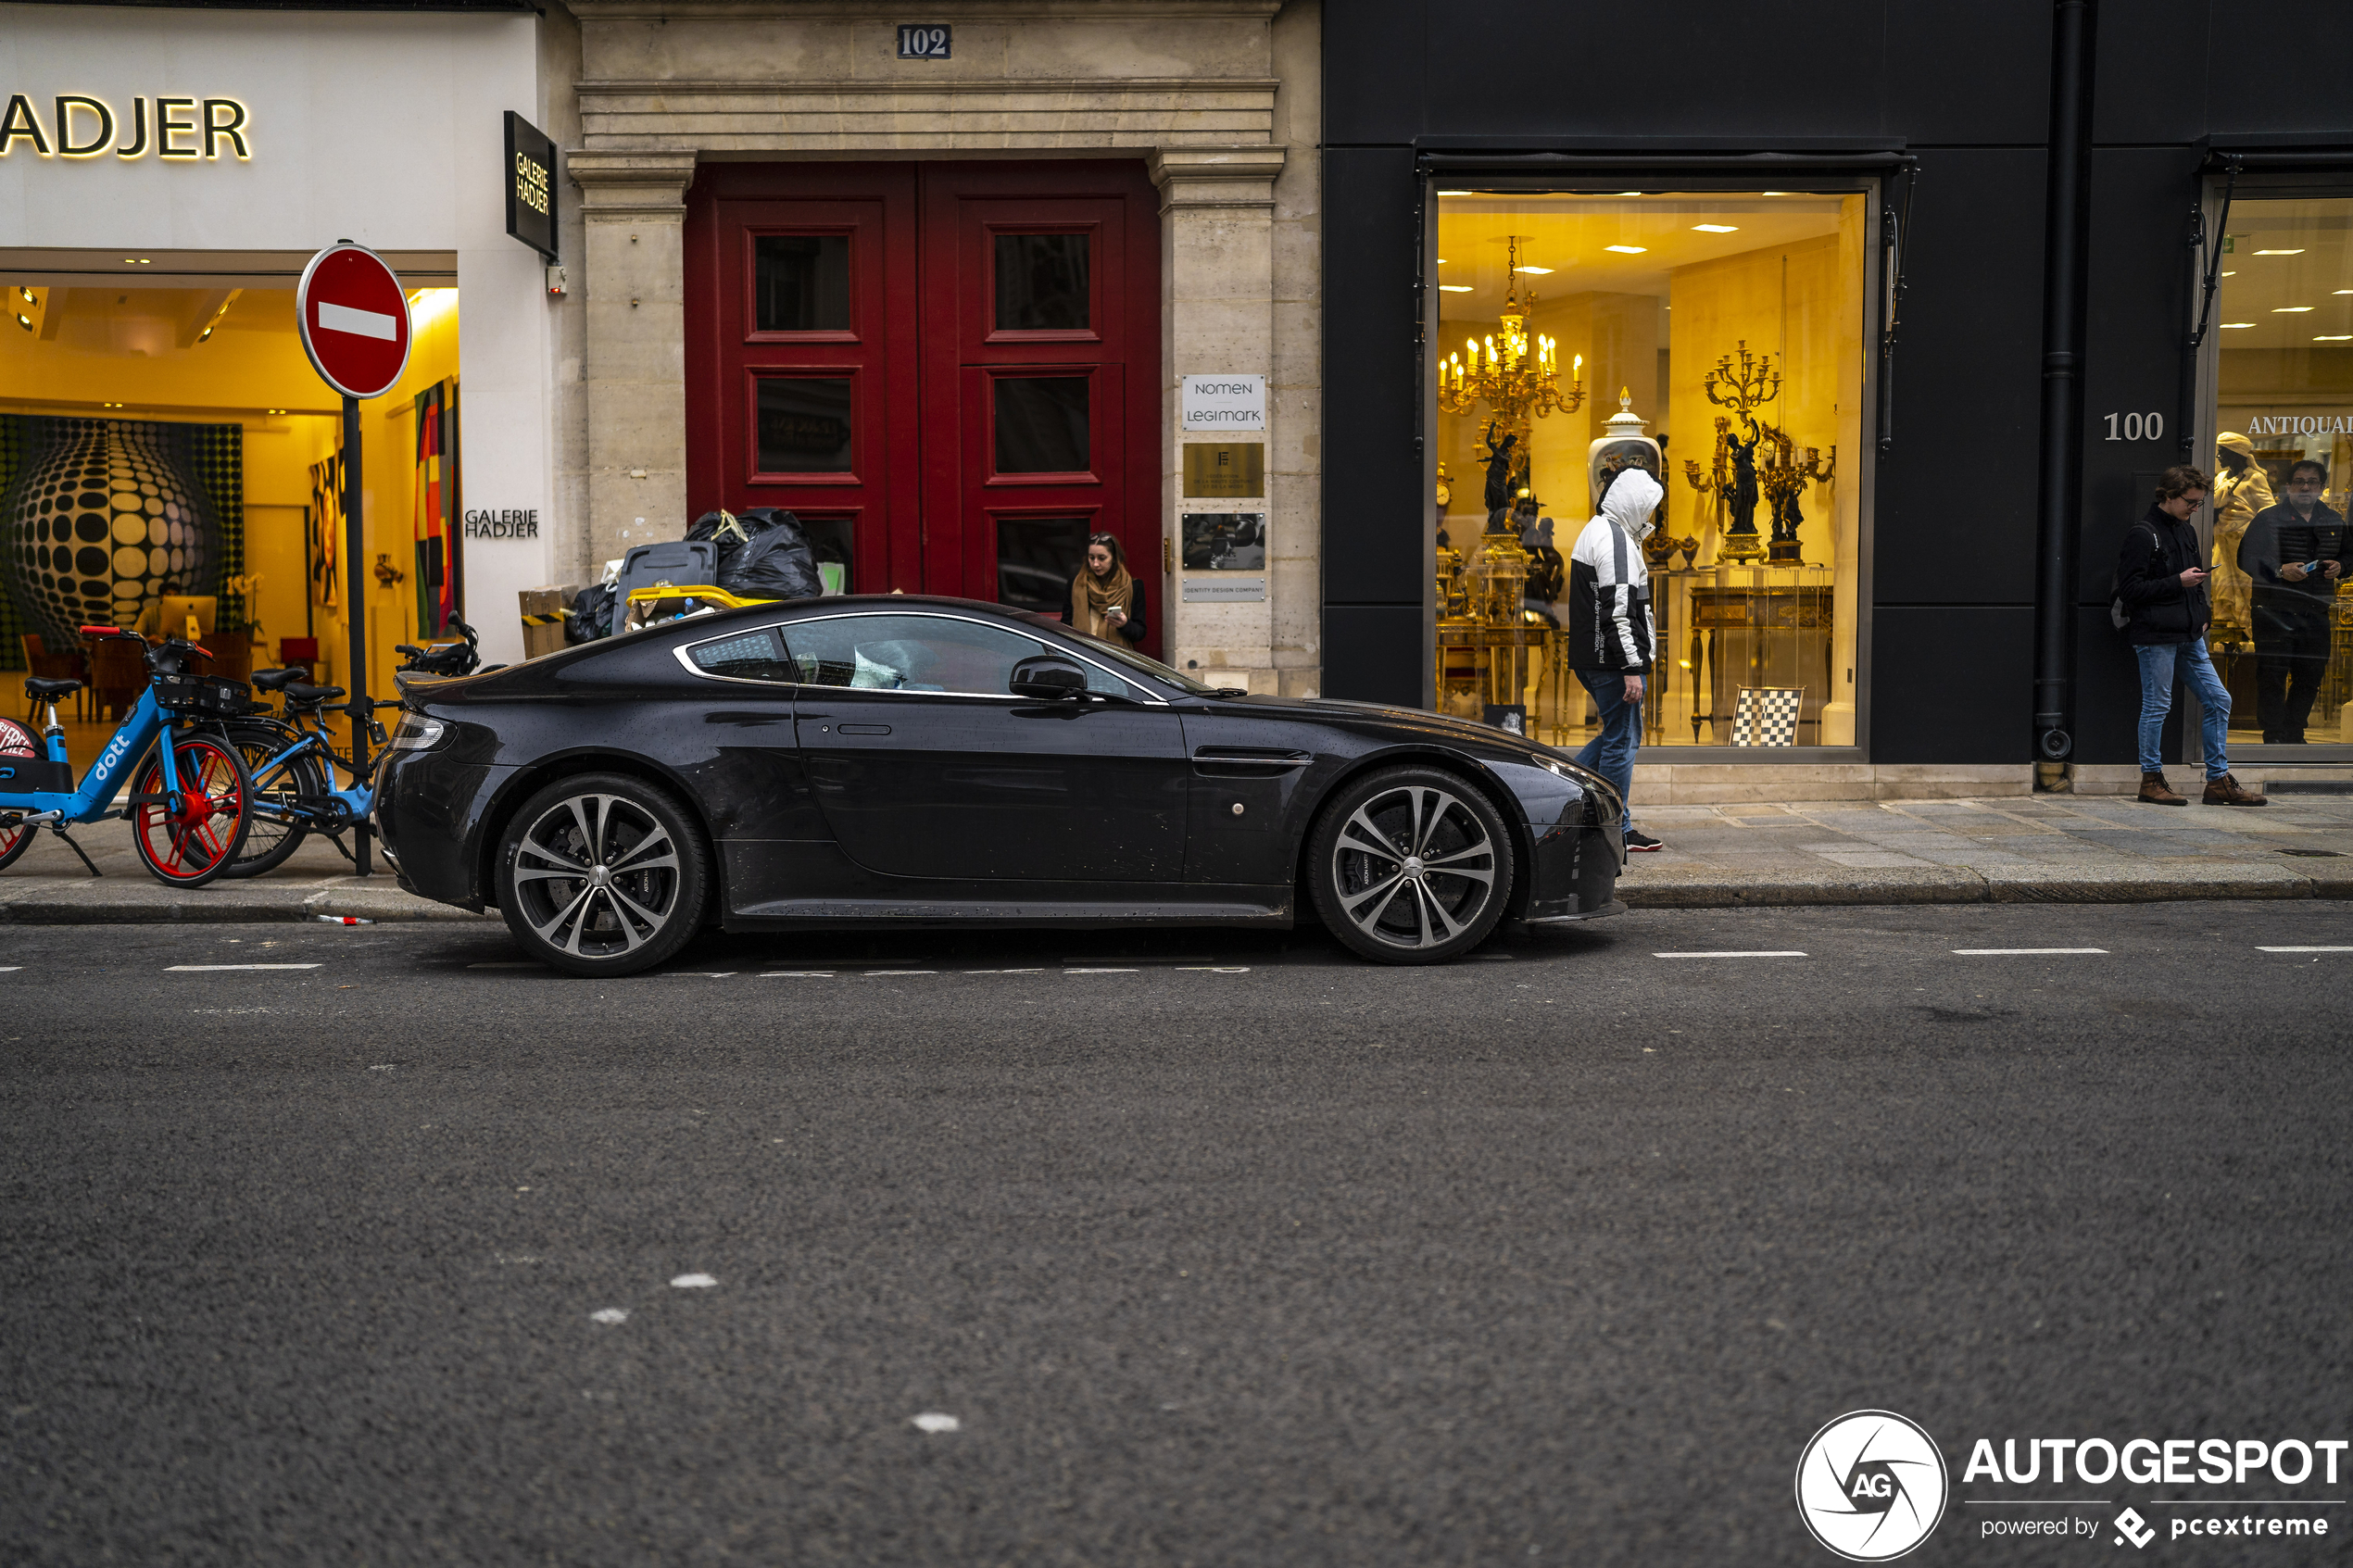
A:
1716,340
2283,461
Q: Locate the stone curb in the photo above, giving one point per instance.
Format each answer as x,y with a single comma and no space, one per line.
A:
117,900
1695,888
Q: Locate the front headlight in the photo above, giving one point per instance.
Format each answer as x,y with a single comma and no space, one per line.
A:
416,734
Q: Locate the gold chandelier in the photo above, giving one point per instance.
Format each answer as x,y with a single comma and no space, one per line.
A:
1518,375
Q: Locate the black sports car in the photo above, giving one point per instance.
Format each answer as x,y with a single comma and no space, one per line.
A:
912,761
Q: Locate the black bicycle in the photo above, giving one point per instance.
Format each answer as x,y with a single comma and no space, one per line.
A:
296,788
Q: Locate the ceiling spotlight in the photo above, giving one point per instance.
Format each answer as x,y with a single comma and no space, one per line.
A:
1715,228
2339,291
131,261
2289,309
1455,193
2229,274
2298,251
2233,326
1540,271
1627,250
1629,192
275,410
27,294
24,320
1772,192
205,336
114,405
1453,288
2335,337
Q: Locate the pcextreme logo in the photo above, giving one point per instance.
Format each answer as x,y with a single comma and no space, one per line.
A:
1871,1485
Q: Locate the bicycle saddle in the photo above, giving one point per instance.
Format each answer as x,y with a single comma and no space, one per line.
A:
278,680
42,685
301,693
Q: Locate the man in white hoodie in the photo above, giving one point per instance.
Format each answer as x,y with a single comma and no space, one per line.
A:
1609,627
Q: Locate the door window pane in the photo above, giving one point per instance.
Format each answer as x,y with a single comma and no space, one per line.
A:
1576,334
746,655
908,653
800,282
1041,425
1037,557
804,424
1041,282
832,541
2282,468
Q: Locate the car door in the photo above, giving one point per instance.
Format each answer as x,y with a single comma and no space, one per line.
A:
925,765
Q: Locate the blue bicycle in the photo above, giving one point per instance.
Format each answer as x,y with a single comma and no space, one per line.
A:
191,799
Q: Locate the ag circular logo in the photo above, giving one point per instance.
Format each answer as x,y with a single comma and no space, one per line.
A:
1871,1485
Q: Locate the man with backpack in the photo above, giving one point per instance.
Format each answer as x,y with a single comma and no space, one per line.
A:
2161,605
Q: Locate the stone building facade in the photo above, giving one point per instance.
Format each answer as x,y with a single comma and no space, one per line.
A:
1216,100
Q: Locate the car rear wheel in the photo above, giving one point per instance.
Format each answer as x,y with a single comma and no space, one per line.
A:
603,873
1410,865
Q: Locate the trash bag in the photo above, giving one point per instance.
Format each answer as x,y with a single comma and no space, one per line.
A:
591,614
763,554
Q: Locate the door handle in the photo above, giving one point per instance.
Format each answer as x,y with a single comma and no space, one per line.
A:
864,729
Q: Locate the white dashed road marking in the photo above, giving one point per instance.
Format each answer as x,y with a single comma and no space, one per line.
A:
936,1421
694,1282
1756,955
609,1314
2019,952
797,974
1099,971
212,968
2304,949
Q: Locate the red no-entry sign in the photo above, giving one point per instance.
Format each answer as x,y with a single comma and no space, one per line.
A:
354,318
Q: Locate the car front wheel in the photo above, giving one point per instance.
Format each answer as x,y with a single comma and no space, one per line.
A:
1410,865
603,873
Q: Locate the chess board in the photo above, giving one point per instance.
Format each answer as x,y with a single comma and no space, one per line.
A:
1767,715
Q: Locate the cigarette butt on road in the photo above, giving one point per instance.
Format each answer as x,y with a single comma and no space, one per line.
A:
342,920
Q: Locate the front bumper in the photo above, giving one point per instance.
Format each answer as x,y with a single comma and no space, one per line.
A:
1574,873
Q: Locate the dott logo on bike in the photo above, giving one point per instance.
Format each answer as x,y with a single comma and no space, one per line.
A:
1871,1485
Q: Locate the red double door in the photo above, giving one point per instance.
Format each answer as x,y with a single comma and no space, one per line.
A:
949,371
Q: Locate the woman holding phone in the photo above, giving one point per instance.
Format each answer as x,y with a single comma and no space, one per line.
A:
1105,601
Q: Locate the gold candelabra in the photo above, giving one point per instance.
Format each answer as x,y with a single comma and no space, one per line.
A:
1783,478
1517,376
1744,389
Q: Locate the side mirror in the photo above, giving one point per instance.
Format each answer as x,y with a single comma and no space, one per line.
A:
1046,675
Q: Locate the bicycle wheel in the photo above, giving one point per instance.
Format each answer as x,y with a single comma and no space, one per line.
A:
276,789
190,846
13,842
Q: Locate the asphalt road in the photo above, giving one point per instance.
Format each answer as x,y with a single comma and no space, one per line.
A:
1217,1250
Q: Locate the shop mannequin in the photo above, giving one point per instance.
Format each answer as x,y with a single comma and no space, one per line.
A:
2241,489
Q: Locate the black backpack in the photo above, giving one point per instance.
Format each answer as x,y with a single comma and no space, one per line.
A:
2118,616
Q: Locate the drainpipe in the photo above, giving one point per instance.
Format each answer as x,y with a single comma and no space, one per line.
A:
2065,225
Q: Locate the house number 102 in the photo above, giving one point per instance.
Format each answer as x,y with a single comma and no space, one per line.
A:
2136,427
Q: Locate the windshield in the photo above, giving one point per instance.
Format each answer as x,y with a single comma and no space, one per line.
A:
1120,653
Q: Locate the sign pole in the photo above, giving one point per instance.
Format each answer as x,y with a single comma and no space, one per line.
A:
356,602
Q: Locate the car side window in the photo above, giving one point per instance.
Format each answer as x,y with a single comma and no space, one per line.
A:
746,655
907,653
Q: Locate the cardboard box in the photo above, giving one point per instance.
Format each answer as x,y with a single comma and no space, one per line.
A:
544,612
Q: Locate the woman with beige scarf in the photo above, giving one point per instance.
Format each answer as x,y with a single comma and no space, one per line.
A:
1104,600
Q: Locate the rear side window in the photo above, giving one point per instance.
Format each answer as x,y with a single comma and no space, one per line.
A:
746,655
907,653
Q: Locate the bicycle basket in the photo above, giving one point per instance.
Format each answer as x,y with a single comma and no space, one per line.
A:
212,695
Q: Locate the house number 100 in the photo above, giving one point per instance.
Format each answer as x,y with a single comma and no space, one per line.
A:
2136,427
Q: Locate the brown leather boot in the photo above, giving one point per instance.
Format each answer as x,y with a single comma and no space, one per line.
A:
2155,793
2225,791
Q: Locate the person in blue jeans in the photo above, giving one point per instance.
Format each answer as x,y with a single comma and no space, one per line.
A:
1609,628
2160,579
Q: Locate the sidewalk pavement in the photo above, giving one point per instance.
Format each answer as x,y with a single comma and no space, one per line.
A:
2038,848
2044,848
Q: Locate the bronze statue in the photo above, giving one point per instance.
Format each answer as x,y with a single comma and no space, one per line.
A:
1498,478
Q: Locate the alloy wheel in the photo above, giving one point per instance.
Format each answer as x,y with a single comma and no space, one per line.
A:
597,876
1414,867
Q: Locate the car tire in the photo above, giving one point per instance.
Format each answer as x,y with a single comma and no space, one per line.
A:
603,873
1410,865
